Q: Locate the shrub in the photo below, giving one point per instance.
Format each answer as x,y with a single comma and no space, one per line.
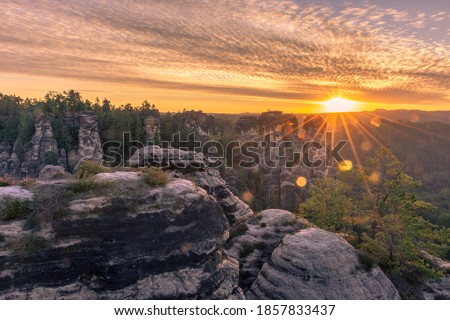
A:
155,177
11,209
50,201
51,157
7,181
27,182
89,169
84,185
29,244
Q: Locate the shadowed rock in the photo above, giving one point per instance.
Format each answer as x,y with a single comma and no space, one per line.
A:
316,264
167,245
255,240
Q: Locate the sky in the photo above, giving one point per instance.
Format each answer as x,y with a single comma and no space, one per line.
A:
230,56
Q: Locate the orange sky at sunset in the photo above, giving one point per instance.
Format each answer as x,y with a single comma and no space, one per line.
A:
231,56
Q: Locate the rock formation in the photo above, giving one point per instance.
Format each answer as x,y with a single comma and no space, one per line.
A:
253,241
44,149
200,122
42,146
234,209
152,123
247,125
168,158
168,245
316,264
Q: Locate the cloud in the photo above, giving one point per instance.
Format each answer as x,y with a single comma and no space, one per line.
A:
284,49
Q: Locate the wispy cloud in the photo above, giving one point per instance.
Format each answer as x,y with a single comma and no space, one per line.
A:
286,49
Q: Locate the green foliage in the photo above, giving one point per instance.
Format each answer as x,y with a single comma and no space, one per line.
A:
51,158
12,209
329,206
85,185
89,169
154,177
65,135
29,244
377,208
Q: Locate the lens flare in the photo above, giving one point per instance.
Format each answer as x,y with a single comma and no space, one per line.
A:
301,182
247,196
345,165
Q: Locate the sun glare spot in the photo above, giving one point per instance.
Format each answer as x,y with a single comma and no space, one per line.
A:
301,182
366,146
247,196
345,165
376,122
374,177
337,105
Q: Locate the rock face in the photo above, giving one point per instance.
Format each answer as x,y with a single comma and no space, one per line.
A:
167,245
42,146
201,123
316,264
152,123
168,158
9,161
89,144
255,240
234,209
247,125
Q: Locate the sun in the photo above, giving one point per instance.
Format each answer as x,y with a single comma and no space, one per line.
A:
339,105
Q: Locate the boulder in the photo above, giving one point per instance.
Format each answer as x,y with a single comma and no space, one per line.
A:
315,264
253,241
51,172
16,192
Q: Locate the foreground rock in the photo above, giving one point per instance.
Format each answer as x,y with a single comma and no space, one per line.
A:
255,240
234,209
316,264
51,172
165,245
15,192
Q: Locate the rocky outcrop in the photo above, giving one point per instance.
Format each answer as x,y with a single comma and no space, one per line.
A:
42,146
277,121
166,245
201,123
51,172
253,242
247,125
9,161
234,209
89,144
151,119
168,158
316,264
